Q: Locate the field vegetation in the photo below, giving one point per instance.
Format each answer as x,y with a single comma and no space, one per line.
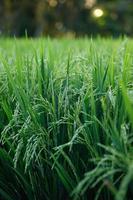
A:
66,119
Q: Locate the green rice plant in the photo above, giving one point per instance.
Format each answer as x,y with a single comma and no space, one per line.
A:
66,119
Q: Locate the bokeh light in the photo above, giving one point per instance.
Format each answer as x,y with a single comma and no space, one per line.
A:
89,3
98,12
53,3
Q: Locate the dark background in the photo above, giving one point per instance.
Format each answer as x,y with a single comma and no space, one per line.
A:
65,18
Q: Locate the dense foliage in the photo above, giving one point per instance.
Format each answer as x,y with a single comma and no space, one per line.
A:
65,17
66,119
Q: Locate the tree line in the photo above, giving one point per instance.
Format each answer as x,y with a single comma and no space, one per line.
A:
61,17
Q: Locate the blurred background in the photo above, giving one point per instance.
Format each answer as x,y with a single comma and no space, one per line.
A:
72,18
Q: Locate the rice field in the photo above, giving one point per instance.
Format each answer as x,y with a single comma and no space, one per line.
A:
66,119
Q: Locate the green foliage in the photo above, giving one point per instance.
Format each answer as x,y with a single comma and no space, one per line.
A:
66,119
65,18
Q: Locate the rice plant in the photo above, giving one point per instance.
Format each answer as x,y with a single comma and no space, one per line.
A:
66,119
